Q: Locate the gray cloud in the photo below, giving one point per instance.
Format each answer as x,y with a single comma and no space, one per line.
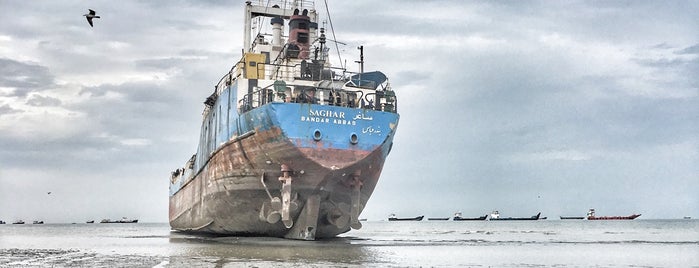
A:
39,100
6,109
583,104
24,77
690,50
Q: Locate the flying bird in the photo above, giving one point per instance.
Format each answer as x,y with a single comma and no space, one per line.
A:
90,16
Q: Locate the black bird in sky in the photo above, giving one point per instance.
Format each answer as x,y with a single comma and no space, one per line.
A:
90,16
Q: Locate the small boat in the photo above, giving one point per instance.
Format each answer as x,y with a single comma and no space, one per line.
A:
458,217
495,216
572,218
123,220
438,219
2,222
393,217
591,216
18,222
687,218
38,222
90,221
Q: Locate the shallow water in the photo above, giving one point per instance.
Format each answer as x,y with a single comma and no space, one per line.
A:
551,243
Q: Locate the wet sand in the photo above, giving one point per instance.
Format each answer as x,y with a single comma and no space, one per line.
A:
71,258
379,244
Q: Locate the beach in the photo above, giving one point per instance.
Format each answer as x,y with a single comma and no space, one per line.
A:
549,243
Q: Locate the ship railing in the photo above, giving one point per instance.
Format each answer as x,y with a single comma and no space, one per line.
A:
276,71
376,97
253,100
380,97
283,71
324,94
272,71
227,79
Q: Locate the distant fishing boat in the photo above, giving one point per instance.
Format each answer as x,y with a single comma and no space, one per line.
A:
591,216
458,217
18,222
393,217
123,220
495,216
572,218
38,222
438,219
90,221
2,222
687,218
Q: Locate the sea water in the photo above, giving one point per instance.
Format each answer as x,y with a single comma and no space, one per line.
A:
543,243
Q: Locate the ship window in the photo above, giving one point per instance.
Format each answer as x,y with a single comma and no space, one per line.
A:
303,38
298,24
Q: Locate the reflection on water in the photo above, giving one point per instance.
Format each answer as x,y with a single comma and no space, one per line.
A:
451,244
256,249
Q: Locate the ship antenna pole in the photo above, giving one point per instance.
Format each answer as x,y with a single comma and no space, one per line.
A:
337,48
361,59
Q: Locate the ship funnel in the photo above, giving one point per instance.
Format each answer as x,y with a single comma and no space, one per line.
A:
277,27
299,35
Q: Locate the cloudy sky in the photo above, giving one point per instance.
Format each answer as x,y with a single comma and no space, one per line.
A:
519,106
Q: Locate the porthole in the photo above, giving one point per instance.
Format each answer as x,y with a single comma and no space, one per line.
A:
353,138
317,135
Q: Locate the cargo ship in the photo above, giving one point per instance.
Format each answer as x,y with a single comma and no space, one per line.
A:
495,216
290,146
459,217
393,217
591,216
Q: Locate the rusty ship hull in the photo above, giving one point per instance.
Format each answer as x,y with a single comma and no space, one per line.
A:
290,146
331,177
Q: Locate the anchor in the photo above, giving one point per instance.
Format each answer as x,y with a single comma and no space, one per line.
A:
280,208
